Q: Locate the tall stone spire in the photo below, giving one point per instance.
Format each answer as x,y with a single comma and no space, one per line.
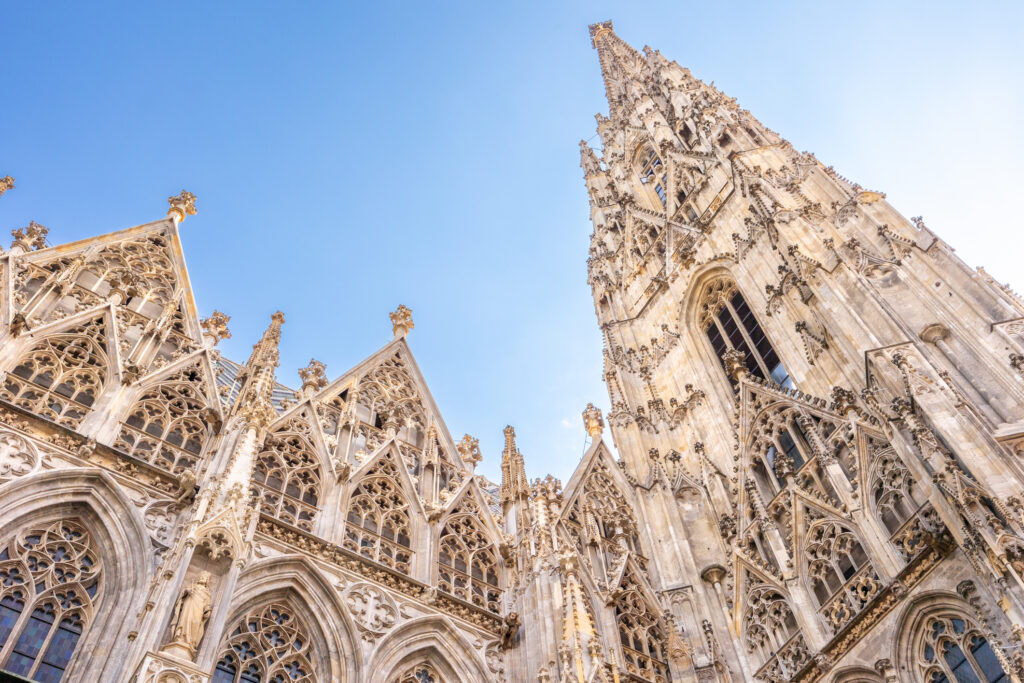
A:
513,470
258,376
619,62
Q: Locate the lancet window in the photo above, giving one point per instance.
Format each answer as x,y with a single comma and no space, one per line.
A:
468,562
49,586
61,376
377,524
779,448
421,673
287,477
730,325
839,574
641,635
892,488
164,426
770,633
953,650
270,643
654,174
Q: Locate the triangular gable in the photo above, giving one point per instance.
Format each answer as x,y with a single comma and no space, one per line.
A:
203,365
375,466
469,500
111,348
597,455
400,349
301,423
139,248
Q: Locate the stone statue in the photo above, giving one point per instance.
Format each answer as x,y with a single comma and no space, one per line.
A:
191,614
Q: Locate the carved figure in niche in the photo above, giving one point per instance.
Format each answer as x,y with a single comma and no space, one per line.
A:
190,615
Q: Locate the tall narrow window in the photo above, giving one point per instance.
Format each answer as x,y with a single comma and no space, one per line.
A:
729,324
653,173
49,585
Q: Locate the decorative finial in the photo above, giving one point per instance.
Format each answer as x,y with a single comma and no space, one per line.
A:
592,421
735,364
215,327
278,317
313,376
469,449
6,183
510,440
599,29
401,321
182,205
33,236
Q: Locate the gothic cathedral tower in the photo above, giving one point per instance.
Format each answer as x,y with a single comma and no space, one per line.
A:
818,406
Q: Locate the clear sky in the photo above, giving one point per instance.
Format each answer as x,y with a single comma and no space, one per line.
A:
351,157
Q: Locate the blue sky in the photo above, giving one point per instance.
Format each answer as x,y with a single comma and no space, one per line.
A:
351,157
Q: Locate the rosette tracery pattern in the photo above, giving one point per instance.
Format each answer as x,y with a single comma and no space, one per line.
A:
468,561
771,635
377,524
165,426
268,644
952,649
49,586
421,673
642,637
62,375
287,477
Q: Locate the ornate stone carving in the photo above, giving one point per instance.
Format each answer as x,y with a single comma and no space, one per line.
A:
17,456
313,376
401,321
191,612
592,421
32,236
215,327
373,610
182,205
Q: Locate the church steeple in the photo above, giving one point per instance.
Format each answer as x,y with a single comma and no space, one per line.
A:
258,374
513,470
620,63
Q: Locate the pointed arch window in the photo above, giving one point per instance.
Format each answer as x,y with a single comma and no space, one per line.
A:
165,427
893,495
287,479
654,174
642,638
953,650
49,587
61,376
771,633
841,578
779,448
468,563
730,325
377,523
421,673
269,643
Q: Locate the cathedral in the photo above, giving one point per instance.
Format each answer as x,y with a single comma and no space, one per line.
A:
813,467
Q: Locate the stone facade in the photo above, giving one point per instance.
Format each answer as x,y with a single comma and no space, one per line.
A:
818,411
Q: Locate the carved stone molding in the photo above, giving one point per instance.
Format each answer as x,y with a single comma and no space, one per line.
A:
373,610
